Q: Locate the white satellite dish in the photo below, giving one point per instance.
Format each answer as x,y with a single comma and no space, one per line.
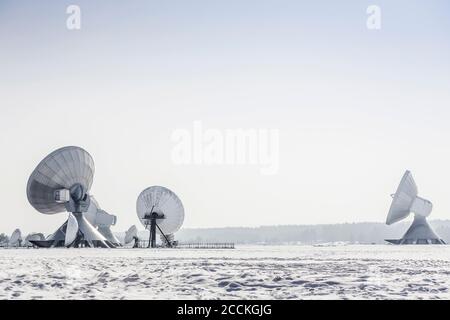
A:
102,220
406,200
71,230
16,239
130,235
34,236
160,211
60,183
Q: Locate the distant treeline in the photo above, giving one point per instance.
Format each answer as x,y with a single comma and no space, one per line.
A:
366,232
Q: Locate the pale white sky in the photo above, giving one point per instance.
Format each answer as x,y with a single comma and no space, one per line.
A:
355,108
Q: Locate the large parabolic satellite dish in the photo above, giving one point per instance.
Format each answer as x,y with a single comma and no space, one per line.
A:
60,183
160,211
406,200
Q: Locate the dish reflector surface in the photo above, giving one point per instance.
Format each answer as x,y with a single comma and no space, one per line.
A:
15,237
34,236
161,200
61,169
91,213
402,199
71,230
130,234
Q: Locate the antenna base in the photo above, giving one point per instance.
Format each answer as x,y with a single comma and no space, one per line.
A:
420,232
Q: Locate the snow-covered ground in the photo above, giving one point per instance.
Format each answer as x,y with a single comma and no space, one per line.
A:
247,272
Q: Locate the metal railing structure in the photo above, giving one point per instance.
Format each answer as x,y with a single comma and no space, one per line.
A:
194,245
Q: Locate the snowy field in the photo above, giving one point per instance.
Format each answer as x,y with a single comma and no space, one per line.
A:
247,272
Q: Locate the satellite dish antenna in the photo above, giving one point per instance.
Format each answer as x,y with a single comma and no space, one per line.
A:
71,230
34,236
16,239
61,182
406,200
102,220
160,211
130,235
